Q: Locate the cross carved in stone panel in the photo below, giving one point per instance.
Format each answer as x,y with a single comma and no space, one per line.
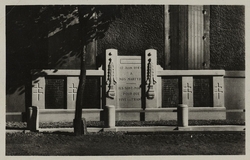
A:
38,92
187,89
73,91
218,90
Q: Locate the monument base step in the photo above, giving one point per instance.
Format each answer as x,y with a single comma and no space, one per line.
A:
213,128
221,128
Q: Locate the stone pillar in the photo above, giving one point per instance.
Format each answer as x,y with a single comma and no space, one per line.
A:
151,78
218,91
33,123
111,77
109,112
182,115
187,91
38,92
72,85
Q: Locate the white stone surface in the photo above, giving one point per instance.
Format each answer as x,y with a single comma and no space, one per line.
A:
38,92
110,116
129,82
111,77
191,72
218,91
187,91
182,115
72,85
151,78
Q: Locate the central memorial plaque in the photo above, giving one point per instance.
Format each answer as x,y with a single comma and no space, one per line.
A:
129,82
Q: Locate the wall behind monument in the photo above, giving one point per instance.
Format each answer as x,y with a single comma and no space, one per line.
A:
139,28
142,27
227,37
227,51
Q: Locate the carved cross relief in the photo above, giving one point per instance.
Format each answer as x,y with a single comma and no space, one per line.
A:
39,91
187,89
218,90
73,91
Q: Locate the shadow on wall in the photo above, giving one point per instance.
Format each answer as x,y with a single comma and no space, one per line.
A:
47,37
32,42
26,45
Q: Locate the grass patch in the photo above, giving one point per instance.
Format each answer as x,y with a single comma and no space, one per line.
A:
121,143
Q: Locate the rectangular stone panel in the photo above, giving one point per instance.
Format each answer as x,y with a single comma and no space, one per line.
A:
202,92
55,93
72,86
187,91
218,91
92,93
170,92
129,82
38,92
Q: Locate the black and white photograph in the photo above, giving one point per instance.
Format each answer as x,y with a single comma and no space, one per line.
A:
122,79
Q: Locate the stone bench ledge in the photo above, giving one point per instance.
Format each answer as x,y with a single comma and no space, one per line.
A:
66,72
190,73
174,109
14,113
59,111
235,74
207,109
146,110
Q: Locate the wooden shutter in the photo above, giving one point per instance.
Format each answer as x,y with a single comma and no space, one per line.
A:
187,37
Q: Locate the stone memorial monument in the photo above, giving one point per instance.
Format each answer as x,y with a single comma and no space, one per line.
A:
135,86
131,81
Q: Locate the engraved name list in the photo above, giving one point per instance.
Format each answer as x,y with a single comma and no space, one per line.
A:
129,82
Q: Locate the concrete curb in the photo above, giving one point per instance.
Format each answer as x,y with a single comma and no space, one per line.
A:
17,131
213,128
220,128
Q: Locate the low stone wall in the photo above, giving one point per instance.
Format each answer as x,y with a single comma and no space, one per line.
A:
235,93
234,82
